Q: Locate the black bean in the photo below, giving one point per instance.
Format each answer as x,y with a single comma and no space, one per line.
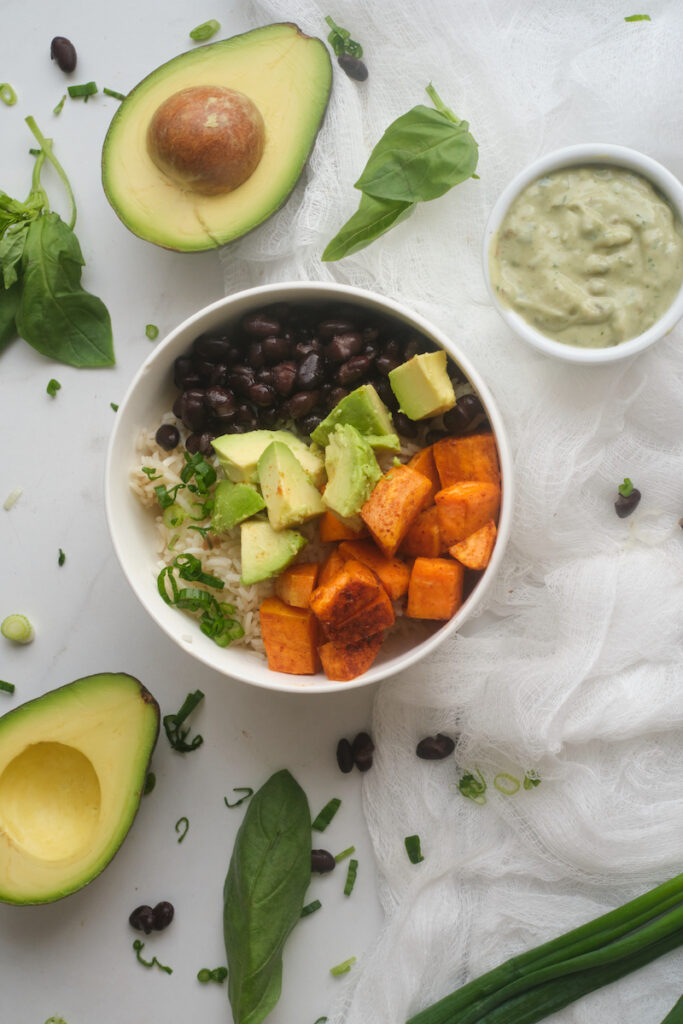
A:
276,349
371,348
260,325
363,749
353,370
463,415
284,375
385,363
200,443
167,437
142,919
343,346
335,396
370,334
328,328
344,756
270,417
281,311
163,915
310,372
221,402
177,406
204,369
183,368
265,375
192,409
353,67
231,427
300,404
307,424
624,506
213,350
393,348
241,378
255,357
261,395
63,51
219,374
435,748
383,389
404,425
322,861
304,347
246,414
432,436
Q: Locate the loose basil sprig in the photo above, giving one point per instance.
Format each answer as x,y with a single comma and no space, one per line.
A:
421,156
41,298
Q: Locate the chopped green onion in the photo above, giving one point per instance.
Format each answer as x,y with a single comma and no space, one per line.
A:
151,330
625,488
350,877
218,974
179,824
84,91
205,30
344,967
472,788
197,467
7,94
247,790
6,687
166,497
53,387
150,783
531,779
412,845
311,908
506,784
150,472
61,558
60,105
173,516
638,17
113,93
172,723
138,946
345,853
17,628
114,406
13,497
327,814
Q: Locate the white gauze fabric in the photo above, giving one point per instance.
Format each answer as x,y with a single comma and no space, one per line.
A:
575,668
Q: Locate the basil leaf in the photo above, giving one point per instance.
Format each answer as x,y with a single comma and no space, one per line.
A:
9,301
270,870
372,218
11,250
56,316
420,157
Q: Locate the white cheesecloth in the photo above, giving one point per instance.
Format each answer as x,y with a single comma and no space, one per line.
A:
575,670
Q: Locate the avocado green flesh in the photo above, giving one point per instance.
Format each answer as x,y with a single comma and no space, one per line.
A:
289,495
352,471
422,386
364,410
265,551
286,74
233,503
239,454
73,765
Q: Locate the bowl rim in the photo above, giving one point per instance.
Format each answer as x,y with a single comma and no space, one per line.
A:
571,156
266,294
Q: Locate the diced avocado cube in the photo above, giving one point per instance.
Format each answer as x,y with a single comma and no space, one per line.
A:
238,454
265,551
422,386
232,503
364,410
352,470
287,490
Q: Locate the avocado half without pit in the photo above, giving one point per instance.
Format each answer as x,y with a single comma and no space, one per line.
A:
73,765
211,144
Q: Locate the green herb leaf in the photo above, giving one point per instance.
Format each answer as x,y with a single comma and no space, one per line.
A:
205,30
638,17
61,558
150,783
53,386
152,331
11,250
247,790
114,406
6,687
371,220
9,303
327,814
270,870
412,845
341,42
179,825
626,488
7,94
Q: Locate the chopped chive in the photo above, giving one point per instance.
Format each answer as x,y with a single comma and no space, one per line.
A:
17,628
152,331
150,472
53,386
626,488
6,687
113,93
7,94
84,91
12,498
180,822
218,974
138,946
172,516
638,17
205,30
506,784
344,967
311,908
327,814
61,558
531,779
114,406
167,498
247,790
60,105
350,877
150,783
345,853
473,788
412,844
177,736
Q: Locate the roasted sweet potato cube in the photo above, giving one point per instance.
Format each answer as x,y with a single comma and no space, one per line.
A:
350,591
332,528
466,507
475,551
370,619
424,463
473,457
423,539
393,505
435,590
296,584
344,661
392,572
290,637
334,564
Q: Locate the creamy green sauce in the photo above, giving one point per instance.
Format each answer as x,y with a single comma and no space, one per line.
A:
589,256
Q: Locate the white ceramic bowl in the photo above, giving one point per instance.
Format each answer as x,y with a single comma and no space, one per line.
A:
572,156
132,530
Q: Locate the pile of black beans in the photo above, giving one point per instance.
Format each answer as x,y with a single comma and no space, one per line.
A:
285,364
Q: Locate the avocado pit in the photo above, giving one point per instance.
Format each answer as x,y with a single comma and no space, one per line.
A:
207,139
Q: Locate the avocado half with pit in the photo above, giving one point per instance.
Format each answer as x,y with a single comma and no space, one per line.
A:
211,144
73,765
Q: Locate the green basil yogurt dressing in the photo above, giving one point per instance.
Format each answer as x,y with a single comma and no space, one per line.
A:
589,256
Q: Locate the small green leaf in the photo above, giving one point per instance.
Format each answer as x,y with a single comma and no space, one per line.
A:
625,488
371,220
638,17
11,250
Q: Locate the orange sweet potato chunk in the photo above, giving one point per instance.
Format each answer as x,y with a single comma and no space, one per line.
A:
465,507
474,457
344,661
372,618
347,593
334,564
290,637
392,572
424,463
475,551
295,585
393,505
435,590
423,539
332,528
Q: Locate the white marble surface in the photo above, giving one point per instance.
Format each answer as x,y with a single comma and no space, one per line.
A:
74,958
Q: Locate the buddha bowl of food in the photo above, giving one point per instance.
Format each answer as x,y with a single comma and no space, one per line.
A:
583,253
308,487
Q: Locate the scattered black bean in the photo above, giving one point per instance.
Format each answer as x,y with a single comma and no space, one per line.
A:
310,372
353,67
435,748
142,919
353,370
335,396
343,346
246,415
201,442
625,506
385,363
363,749
305,347
276,349
299,404
322,861
260,325
284,375
163,915
63,51
383,389
221,402
432,436
241,378
261,395
213,350
345,756
167,437
463,415
307,424
327,329
192,409
404,425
